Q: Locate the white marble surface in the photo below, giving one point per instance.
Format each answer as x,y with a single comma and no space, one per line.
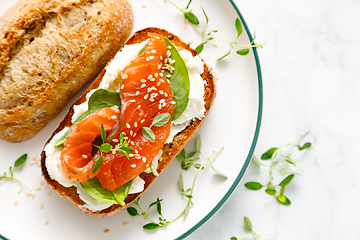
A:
310,70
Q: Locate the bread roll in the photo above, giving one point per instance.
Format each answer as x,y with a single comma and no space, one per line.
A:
49,49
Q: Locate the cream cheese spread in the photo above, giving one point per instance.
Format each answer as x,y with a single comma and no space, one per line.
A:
195,109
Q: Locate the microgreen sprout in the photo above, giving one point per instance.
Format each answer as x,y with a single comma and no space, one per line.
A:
248,227
158,121
208,35
10,176
187,160
122,147
280,161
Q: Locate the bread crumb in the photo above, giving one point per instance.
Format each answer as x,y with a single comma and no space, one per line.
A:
46,221
28,194
215,44
16,203
106,230
33,195
125,223
144,6
20,190
38,188
41,205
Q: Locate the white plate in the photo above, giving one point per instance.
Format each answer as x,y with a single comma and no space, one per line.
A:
233,123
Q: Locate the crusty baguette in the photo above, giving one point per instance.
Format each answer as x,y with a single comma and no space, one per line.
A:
49,49
169,150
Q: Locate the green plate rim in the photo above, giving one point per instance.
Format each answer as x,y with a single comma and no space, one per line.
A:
252,148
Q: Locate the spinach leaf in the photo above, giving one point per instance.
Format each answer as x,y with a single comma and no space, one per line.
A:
95,190
100,99
179,81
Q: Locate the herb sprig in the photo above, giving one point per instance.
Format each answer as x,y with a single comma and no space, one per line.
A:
122,147
10,175
158,121
248,226
280,162
208,35
188,160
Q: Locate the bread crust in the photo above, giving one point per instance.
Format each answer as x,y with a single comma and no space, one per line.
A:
49,49
169,150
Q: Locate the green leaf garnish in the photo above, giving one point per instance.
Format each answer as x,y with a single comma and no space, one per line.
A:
247,224
143,49
97,164
238,26
268,154
151,226
305,146
253,185
179,81
105,147
148,133
102,133
161,119
287,180
271,191
21,160
243,52
95,190
191,17
100,99
132,211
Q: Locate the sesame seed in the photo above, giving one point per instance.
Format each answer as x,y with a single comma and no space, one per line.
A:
16,203
84,156
143,85
142,121
161,74
125,76
113,152
134,135
161,92
143,80
151,100
150,76
158,84
152,79
132,100
132,143
38,188
131,132
159,106
131,155
151,57
41,205
115,140
161,80
136,151
161,58
46,222
106,230
138,107
128,125
215,44
156,74
147,59
153,51
164,104
138,157
28,194
133,165
135,124
144,159
113,117
33,195
137,93
20,189
169,47
165,94
147,165
146,96
122,87
141,114
126,138
172,102
162,100
168,76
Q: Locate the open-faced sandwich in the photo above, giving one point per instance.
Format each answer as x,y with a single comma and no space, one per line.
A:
131,122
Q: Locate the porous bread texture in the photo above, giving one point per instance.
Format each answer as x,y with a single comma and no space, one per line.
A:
169,150
49,49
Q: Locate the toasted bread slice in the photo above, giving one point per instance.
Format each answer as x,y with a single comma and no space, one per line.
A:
169,150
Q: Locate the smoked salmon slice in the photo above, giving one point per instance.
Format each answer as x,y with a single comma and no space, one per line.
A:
76,155
145,93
